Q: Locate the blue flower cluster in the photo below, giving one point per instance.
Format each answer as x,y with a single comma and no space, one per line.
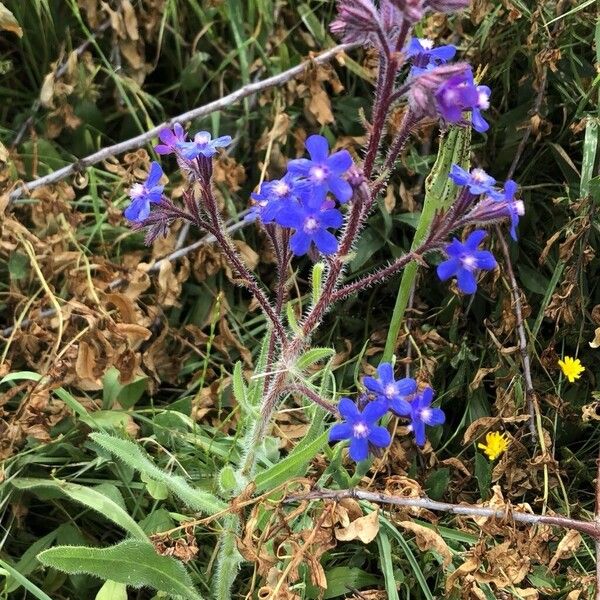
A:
465,258
385,393
301,199
173,141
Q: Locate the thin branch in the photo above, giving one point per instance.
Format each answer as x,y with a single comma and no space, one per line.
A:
591,528
138,141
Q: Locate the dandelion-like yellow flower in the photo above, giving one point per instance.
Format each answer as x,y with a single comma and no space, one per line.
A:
495,444
572,368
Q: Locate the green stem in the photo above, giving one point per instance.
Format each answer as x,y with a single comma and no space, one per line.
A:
439,193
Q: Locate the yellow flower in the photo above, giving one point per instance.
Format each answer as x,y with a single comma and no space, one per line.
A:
572,368
495,444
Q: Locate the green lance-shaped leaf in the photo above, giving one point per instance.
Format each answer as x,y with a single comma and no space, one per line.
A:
132,562
439,193
132,455
89,497
228,559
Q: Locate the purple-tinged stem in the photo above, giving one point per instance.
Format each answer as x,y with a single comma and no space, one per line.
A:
386,272
244,274
314,397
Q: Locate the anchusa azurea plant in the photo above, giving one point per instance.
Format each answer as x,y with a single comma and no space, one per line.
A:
319,207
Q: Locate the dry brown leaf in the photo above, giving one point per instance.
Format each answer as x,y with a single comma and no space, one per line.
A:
364,529
595,343
566,547
428,539
8,21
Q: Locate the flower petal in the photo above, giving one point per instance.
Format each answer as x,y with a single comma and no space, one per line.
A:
380,437
485,260
340,431
339,162
300,243
373,385
348,409
467,283
155,174
374,411
418,428
331,218
340,188
406,386
325,241
299,166
400,407
386,373
318,148
474,239
359,449
138,210
222,141
436,417
447,269
479,123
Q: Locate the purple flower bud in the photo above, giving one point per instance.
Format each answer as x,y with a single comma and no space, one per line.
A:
412,10
357,22
445,79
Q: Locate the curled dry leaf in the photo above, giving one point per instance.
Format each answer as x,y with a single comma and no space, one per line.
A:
8,21
566,547
428,539
364,529
595,343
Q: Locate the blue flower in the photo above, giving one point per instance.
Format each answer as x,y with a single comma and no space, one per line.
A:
464,260
324,171
459,94
142,194
515,208
361,428
421,414
478,181
424,56
276,195
311,218
171,139
203,145
387,389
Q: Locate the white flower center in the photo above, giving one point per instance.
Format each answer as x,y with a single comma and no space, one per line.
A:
202,138
137,190
318,173
479,175
281,188
360,430
390,390
483,100
310,224
469,262
426,44
426,415
520,207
